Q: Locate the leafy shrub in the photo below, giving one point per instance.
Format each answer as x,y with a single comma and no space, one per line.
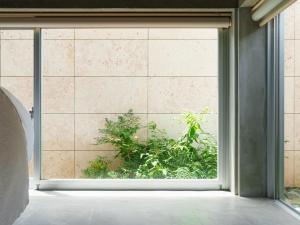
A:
192,156
97,168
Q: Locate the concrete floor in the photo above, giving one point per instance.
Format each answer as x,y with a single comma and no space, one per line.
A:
155,208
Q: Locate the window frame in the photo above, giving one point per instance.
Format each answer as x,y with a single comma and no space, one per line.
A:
224,153
275,108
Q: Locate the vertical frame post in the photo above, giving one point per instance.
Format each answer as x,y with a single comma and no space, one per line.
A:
275,107
280,118
271,108
223,159
37,106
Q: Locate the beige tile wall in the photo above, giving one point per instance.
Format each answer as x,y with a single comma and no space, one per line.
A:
16,66
93,74
58,103
292,96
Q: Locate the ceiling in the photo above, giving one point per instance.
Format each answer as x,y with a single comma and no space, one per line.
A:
119,3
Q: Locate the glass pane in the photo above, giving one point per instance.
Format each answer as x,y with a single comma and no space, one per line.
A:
93,78
17,66
292,106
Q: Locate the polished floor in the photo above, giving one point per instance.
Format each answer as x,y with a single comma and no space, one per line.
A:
151,208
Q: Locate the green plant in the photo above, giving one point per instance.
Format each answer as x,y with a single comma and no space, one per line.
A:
193,155
97,168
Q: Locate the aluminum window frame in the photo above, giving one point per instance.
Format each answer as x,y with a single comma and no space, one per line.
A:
221,183
280,120
275,107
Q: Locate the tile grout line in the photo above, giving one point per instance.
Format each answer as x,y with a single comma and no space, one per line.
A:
13,76
80,150
140,113
132,76
74,61
147,132
127,39
294,71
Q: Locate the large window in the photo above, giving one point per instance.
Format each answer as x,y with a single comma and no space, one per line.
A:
137,106
292,105
166,76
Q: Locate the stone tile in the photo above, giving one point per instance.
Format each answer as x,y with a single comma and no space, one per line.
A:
289,58
297,95
297,20
111,58
21,87
58,95
87,126
16,34
183,57
297,168
82,159
289,127
58,164
174,124
57,34
58,58
86,131
111,33
288,168
289,95
297,58
16,58
183,33
110,94
289,22
297,131
58,132
181,94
